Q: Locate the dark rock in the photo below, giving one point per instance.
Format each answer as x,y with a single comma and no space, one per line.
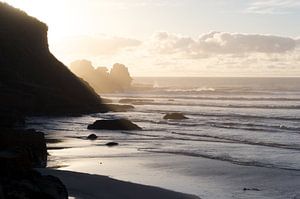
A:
10,118
31,185
251,189
175,116
110,144
106,100
92,137
115,124
118,107
24,147
20,151
32,80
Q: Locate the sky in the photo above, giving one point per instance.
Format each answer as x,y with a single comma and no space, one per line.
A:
175,37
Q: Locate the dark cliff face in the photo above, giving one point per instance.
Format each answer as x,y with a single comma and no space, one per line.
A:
32,80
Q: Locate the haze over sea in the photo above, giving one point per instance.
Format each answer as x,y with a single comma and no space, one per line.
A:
240,133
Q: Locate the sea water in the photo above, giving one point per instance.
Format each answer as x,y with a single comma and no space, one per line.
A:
252,122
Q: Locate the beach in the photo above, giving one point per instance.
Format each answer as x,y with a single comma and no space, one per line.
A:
236,143
203,177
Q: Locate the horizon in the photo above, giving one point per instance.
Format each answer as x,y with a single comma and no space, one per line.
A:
130,111
209,39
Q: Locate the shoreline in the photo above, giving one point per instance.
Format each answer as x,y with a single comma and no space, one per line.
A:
205,178
88,186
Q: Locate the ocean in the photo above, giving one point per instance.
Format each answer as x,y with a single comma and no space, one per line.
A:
245,123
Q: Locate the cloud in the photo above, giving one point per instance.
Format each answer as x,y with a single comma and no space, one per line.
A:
220,43
94,45
213,53
273,6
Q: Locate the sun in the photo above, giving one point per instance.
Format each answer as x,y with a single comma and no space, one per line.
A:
53,13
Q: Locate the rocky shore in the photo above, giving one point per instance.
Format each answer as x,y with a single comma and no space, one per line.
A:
20,152
32,82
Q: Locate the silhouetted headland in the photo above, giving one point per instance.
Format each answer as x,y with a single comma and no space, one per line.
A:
32,80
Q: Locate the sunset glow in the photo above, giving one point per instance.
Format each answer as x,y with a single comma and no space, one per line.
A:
209,38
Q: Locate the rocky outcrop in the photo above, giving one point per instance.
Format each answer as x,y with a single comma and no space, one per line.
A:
31,185
20,152
175,116
32,80
116,124
25,147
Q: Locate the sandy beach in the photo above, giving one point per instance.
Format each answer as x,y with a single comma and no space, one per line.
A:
203,177
87,186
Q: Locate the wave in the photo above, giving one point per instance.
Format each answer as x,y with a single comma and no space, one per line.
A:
235,90
172,103
222,157
189,89
244,116
254,127
232,115
259,143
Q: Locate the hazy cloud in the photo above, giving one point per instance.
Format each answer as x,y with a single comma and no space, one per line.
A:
168,53
273,6
221,43
95,45
127,4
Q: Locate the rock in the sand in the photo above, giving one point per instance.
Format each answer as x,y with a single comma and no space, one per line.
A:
112,144
115,124
28,146
175,116
32,184
20,152
251,189
92,137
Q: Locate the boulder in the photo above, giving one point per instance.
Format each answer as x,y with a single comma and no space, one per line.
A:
32,184
92,137
110,144
114,124
24,147
174,116
20,152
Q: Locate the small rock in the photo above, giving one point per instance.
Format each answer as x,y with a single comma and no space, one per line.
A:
92,137
112,144
251,189
174,116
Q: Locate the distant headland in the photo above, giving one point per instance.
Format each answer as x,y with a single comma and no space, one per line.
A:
101,79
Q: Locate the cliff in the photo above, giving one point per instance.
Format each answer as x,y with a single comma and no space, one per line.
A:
32,80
